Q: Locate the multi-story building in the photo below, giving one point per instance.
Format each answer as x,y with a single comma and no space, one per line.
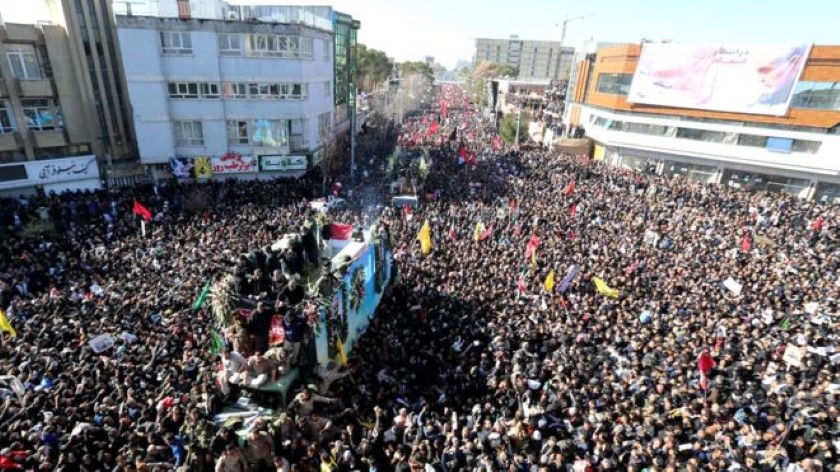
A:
47,140
257,92
345,35
776,127
533,59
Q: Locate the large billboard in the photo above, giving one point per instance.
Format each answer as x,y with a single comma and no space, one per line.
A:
742,79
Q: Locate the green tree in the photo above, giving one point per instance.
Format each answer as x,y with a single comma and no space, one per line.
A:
507,127
372,67
476,78
415,68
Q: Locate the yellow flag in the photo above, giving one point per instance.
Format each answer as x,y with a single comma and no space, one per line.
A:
425,238
479,228
5,325
549,282
341,357
604,289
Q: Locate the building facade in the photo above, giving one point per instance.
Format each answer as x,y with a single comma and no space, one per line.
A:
257,92
44,124
345,30
533,59
795,152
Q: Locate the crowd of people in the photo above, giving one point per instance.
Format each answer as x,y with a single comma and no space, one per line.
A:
555,325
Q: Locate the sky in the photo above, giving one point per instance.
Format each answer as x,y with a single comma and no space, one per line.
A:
447,29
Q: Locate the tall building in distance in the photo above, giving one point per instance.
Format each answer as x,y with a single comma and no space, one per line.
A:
533,59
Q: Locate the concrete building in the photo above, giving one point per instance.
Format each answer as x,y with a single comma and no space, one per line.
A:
533,59
46,139
794,151
214,90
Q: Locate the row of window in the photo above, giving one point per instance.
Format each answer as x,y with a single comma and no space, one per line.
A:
251,45
265,133
23,61
241,91
741,139
806,94
40,115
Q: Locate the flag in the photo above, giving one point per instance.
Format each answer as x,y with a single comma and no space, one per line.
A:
564,303
549,282
202,297
570,188
532,246
705,363
452,232
486,233
512,205
520,285
142,211
479,230
216,342
632,267
408,212
425,238
433,129
340,231
5,325
573,210
341,356
573,271
604,289
786,324
497,142
276,333
746,243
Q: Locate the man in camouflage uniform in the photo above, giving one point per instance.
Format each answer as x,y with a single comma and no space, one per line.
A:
197,433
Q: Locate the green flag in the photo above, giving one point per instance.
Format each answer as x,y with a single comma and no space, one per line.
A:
216,342
786,324
199,302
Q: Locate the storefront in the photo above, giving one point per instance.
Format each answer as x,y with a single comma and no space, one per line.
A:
284,166
54,175
764,182
693,172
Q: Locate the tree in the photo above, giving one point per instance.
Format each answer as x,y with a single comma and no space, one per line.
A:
507,127
415,68
372,67
476,78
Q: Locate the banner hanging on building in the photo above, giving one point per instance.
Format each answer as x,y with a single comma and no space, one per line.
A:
282,163
234,163
755,79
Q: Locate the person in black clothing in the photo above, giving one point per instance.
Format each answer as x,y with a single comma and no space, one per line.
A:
258,327
260,284
292,294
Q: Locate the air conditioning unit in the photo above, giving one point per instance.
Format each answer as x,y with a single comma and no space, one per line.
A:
233,15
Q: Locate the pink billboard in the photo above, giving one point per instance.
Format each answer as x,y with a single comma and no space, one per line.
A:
741,79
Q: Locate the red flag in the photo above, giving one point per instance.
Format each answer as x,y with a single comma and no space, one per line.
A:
452,232
705,363
472,159
276,334
433,129
340,231
520,285
532,246
746,243
486,233
512,205
570,189
142,211
409,213
573,210
818,223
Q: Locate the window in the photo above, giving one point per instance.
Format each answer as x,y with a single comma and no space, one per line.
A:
808,147
752,140
237,132
270,45
779,144
271,133
230,44
701,135
327,50
235,91
188,133
328,88
7,121
263,92
176,42
23,62
615,84
296,134
325,125
656,130
819,95
183,90
41,115
209,90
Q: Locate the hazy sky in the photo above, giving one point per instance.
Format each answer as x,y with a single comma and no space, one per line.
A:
446,29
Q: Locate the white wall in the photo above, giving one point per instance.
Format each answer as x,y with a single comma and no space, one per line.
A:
148,72
822,163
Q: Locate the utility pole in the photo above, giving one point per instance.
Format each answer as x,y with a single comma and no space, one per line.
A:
518,120
353,137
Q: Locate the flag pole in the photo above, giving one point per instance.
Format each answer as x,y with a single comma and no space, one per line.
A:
143,227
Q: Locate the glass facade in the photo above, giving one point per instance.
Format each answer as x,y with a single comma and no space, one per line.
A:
615,84
345,29
816,95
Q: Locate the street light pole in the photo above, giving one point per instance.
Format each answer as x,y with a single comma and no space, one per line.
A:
518,120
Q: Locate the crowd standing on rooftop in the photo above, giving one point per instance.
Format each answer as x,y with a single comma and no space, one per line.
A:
477,359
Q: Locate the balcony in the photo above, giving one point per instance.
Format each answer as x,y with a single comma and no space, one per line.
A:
9,141
49,138
35,88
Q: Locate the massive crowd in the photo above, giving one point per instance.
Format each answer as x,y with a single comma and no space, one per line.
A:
476,360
